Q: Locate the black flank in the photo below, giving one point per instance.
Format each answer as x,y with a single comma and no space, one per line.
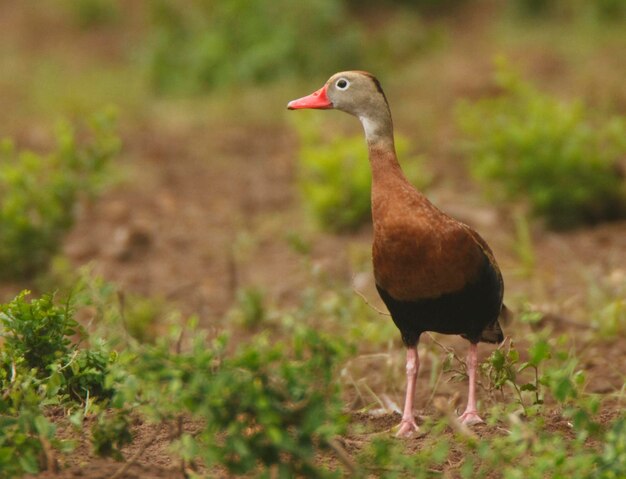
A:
471,312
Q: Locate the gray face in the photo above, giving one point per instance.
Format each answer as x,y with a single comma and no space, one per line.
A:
355,93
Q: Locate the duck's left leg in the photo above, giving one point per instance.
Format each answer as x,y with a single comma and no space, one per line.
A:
470,416
408,426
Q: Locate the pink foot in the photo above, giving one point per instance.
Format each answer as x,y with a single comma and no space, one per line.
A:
469,418
406,428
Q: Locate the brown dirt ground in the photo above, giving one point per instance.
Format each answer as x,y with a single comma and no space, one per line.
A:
175,230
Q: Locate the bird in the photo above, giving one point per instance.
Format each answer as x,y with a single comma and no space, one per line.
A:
433,273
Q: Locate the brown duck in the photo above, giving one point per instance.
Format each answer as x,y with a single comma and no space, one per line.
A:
433,273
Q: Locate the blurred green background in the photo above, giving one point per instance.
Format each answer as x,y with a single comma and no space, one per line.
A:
175,112
519,103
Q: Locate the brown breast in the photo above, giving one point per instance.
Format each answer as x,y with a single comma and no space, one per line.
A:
418,251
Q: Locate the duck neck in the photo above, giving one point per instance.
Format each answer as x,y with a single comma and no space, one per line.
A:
381,148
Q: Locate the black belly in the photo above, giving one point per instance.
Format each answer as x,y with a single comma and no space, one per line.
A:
467,312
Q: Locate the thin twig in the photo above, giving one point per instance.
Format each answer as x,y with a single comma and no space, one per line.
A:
362,296
74,355
374,395
343,456
446,349
435,387
51,462
122,470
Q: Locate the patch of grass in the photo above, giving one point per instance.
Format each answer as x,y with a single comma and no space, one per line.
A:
525,145
39,193
41,365
204,44
93,13
599,10
250,310
275,405
606,302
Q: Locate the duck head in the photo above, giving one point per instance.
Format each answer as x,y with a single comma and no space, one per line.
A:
357,93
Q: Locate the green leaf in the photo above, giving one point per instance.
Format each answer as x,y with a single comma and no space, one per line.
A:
538,352
44,427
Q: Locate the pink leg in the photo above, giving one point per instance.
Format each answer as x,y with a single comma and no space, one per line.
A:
407,425
470,416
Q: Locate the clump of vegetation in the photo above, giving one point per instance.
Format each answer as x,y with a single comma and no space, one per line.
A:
110,433
93,13
250,310
274,406
603,10
204,44
41,365
39,194
40,337
335,179
268,405
526,145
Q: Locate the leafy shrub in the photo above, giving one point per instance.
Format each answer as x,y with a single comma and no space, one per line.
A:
526,145
27,437
38,335
612,462
203,44
38,194
603,10
41,365
265,406
36,332
92,13
422,6
110,433
250,309
335,177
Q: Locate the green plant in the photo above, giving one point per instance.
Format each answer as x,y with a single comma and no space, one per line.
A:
612,461
250,309
606,302
36,333
93,13
526,145
204,44
39,337
602,10
422,6
110,433
265,406
335,178
524,247
27,437
28,441
387,458
140,316
39,193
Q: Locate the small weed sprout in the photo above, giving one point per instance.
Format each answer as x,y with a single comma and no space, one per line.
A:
250,310
110,433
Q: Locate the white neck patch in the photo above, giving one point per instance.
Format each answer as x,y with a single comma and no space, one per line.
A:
369,126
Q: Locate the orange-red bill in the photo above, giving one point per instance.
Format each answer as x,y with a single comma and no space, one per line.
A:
318,100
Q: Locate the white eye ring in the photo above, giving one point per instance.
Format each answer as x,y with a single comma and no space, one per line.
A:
342,84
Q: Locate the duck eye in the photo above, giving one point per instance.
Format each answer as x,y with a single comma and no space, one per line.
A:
342,84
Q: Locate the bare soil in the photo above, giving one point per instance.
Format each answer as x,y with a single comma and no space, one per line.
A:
205,211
